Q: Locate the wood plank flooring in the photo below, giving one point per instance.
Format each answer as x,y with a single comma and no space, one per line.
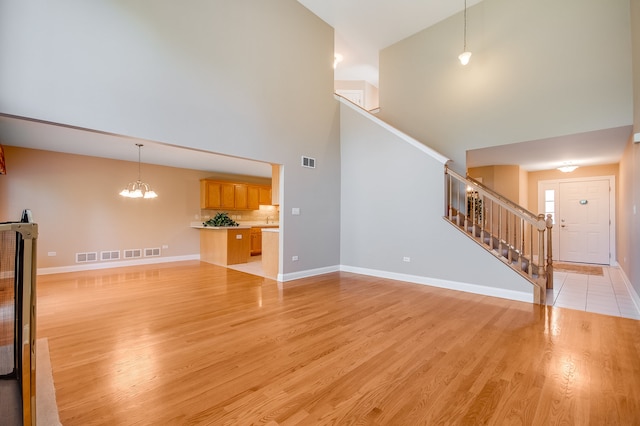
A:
194,343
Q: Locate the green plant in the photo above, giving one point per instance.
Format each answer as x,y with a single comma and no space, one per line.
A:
220,219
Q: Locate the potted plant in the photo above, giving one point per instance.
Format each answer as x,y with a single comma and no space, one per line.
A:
219,220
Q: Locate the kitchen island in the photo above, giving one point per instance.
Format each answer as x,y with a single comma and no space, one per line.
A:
224,245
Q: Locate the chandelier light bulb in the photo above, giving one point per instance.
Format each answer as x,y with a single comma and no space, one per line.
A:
464,57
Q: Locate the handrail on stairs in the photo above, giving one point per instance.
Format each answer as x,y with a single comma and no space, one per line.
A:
502,227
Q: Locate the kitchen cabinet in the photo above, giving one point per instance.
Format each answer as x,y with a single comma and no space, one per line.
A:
256,241
253,197
264,195
216,195
233,195
240,197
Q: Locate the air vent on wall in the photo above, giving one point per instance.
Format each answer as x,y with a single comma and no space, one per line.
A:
308,162
151,252
132,253
110,255
86,257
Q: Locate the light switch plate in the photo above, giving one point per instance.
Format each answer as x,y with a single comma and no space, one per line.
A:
295,211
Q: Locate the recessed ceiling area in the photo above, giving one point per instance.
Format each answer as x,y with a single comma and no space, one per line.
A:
35,134
582,149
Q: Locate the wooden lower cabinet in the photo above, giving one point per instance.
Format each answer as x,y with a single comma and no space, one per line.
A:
256,241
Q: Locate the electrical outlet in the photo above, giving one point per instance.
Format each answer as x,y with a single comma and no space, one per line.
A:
239,237
295,211
406,259
294,258
51,253
164,247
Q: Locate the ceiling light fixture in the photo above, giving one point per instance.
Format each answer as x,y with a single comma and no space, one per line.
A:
567,168
138,189
466,55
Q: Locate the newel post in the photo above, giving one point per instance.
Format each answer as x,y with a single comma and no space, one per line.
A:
549,269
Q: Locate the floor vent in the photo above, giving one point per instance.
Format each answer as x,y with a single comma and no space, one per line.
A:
132,253
151,252
86,257
308,162
110,255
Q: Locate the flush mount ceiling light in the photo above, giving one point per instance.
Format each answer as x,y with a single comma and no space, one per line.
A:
567,168
138,189
466,55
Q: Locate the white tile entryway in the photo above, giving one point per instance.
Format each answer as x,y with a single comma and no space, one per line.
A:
603,294
253,266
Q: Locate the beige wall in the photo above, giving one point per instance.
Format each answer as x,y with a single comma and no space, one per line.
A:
505,180
74,199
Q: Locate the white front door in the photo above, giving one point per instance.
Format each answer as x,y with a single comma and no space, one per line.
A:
583,221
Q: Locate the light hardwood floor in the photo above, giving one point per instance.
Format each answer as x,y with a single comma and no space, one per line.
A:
194,343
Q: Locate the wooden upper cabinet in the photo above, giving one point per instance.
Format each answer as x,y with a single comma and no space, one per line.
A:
241,197
233,196
228,196
253,197
264,196
210,195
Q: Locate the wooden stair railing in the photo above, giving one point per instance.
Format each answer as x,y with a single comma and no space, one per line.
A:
502,227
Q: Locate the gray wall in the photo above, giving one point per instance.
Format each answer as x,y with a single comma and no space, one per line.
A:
247,78
540,68
392,207
629,199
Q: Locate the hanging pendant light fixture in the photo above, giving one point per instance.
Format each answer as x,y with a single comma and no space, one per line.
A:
466,55
138,189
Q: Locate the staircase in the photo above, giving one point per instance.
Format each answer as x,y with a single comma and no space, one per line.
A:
519,238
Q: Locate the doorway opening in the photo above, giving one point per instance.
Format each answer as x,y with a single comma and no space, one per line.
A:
583,212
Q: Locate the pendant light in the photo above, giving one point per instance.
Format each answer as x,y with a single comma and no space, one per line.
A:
466,55
138,189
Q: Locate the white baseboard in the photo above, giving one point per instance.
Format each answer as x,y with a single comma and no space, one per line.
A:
632,291
117,264
306,274
434,282
450,285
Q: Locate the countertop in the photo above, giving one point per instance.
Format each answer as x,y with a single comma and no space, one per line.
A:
243,225
199,225
270,229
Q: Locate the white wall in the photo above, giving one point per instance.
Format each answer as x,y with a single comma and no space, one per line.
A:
247,78
540,68
392,206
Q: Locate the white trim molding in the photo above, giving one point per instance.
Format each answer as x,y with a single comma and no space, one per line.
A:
449,285
107,265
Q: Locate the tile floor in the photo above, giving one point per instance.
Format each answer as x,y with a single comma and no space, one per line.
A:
603,294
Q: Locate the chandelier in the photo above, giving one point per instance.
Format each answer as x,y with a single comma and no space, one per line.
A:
466,55
138,189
